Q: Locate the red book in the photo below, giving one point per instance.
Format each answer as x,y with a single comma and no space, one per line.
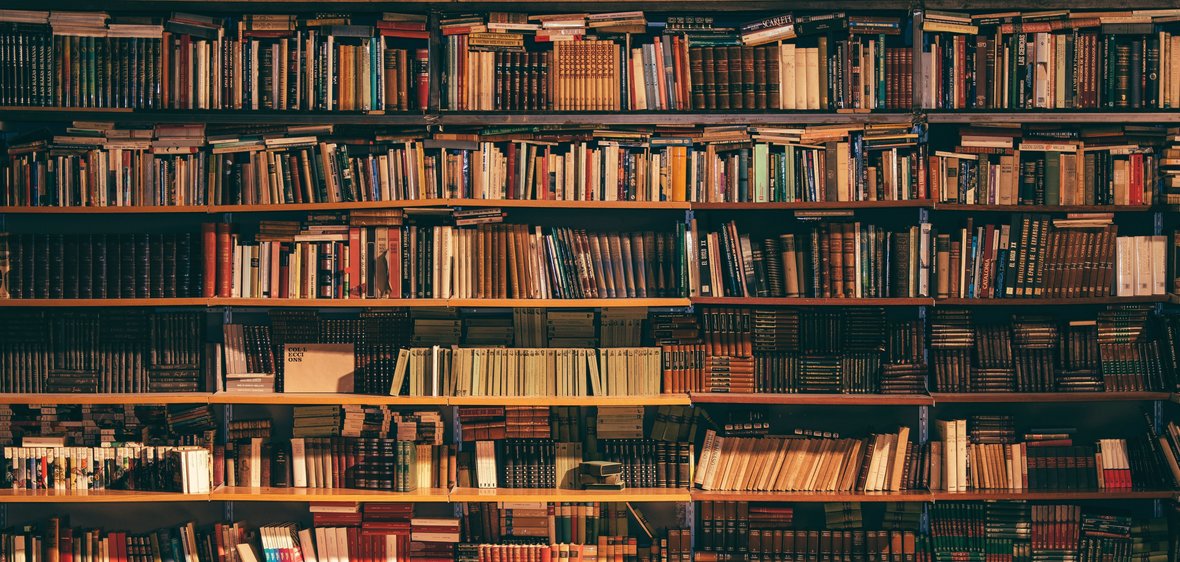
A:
209,249
1136,182
225,257
511,171
422,59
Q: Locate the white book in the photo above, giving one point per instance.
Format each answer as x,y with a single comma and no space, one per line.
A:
298,462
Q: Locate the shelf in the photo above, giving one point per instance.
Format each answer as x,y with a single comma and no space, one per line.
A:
70,303
556,495
107,398
810,301
110,210
324,399
267,494
964,208
9,495
1053,495
700,117
1039,397
221,116
813,399
641,400
1045,301
811,205
903,496
568,303
970,116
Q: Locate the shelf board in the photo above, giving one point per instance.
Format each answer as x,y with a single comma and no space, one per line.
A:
451,202
702,117
904,496
811,205
1036,495
960,207
809,301
228,116
324,399
107,398
649,400
813,399
971,116
69,303
9,495
1040,397
568,303
557,495
1046,301
268,494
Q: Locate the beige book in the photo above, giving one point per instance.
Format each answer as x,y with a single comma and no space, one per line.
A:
319,367
813,78
903,440
789,82
706,454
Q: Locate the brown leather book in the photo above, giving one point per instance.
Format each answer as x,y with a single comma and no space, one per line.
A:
392,71
629,270
225,255
641,269
849,249
748,78
836,260
773,76
736,77
707,81
759,64
721,77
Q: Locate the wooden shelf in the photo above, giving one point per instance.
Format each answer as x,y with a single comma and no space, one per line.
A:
639,400
226,116
812,205
959,207
568,303
555,495
1039,397
267,494
107,398
324,399
1049,301
106,303
970,116
809,301
95,496
813,399
700,117
1032,495
904,496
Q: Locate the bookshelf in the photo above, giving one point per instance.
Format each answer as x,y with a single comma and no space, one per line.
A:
755,219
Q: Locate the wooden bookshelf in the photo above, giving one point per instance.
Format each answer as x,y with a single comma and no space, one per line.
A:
679,495
1044,397
639,400
283,398
810,497
812,205
219,116
965,208
95,496
810,301
107,398
1064,495
1045,301
971,116
105,303
814,399
700,117
268,494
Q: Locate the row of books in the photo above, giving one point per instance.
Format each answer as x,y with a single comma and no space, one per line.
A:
70,266
1057,59
185,469
368,463
1014,165
830,260
84,352
335,260
1120,349
1040,256
527,372
985,458
576,523
193,61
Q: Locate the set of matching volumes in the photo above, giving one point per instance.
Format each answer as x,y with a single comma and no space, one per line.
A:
1009,166
1039,256
136,466
56,538
1055,59
343,258
828,260
435,371
502,62
191,61
71,266
84,352
802,462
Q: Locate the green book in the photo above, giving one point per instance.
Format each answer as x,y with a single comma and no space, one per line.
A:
1052,178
